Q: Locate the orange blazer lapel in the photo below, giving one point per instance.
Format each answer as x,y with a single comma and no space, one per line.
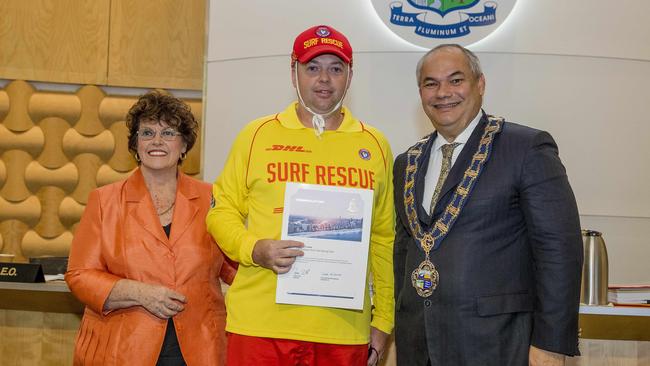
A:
141,207
186,208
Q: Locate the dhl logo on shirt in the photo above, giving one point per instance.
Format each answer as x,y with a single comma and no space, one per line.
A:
291,148
330,175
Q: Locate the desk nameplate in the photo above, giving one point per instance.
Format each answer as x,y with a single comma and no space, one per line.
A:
21,272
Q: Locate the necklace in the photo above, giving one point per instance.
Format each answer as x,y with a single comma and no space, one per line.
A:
425,277
167,210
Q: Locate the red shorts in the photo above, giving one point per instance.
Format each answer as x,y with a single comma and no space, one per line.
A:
257,351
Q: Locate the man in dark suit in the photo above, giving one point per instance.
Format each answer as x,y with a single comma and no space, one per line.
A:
488,251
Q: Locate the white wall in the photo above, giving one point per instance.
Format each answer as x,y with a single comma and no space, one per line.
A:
577,69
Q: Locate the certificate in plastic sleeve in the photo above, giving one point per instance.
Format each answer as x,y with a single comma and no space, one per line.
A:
334,224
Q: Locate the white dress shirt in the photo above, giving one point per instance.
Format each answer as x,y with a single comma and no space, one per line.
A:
435,160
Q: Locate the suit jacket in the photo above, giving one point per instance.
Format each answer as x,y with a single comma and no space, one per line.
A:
120,236
509,269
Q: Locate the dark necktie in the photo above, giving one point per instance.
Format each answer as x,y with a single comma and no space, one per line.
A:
447,153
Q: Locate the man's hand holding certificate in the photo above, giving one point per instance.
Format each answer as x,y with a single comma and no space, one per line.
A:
277,255
333,223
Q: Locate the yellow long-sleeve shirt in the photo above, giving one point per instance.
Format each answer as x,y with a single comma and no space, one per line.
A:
249,198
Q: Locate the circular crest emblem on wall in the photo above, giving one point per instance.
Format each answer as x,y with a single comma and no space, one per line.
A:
428,23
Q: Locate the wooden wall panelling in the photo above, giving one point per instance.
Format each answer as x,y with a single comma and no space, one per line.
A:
34,245
49,225
157,43
55,147
27,212
112,112
54,129
192,165
12,232
29,142
15,190
18,94
122,161
54,40
3,173
37,338
4,104
89,123
88,165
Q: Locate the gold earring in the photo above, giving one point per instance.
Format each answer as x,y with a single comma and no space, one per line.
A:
137,157
183,156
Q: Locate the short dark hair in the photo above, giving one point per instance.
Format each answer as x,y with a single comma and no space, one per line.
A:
159,106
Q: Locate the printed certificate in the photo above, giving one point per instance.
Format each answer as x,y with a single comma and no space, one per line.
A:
334,224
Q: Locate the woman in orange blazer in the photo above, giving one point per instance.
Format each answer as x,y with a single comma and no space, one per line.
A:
141,259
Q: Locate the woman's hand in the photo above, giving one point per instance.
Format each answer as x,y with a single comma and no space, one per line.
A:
161,301
158,300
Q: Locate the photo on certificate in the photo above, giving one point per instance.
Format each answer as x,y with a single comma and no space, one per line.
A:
326,215
334,224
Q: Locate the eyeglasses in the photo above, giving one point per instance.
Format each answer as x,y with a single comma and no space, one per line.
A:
168,134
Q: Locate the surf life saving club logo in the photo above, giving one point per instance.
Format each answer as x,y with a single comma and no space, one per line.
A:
428,22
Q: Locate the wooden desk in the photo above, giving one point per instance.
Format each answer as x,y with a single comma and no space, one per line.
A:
615,322
610,336
38,324
613,335
51,297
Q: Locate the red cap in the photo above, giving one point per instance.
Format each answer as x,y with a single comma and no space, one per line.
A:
319,40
